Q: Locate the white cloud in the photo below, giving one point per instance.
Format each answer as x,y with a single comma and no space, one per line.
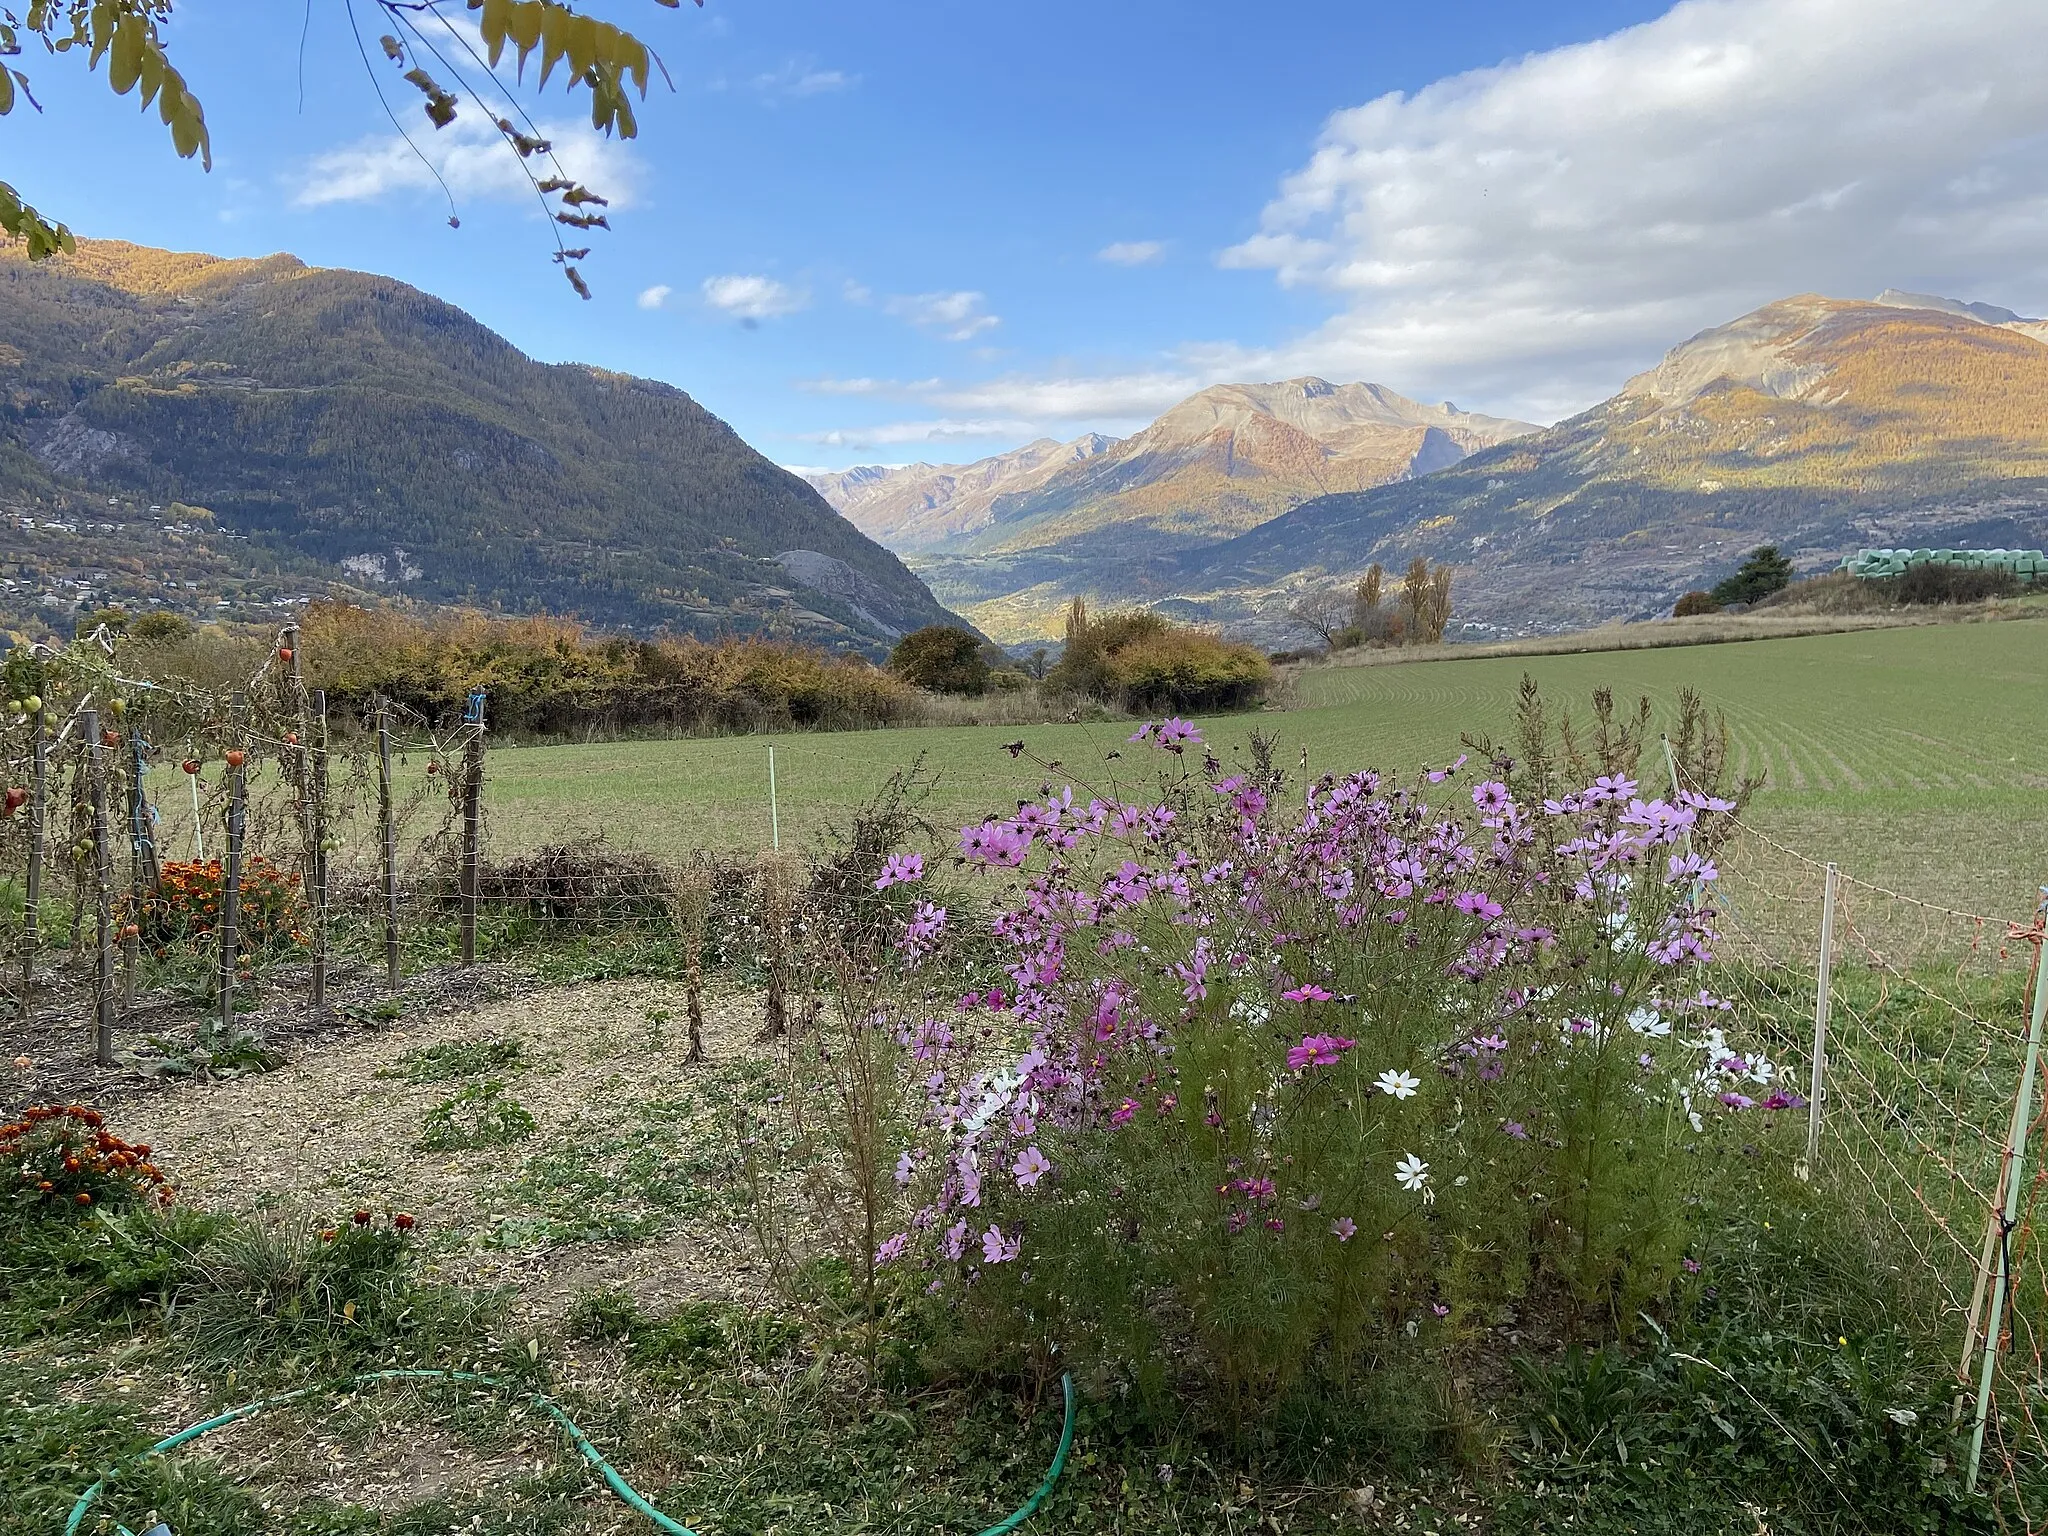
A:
1124,397
802,77
857,293
751,299
866,386
653,298
955,316
472,158
1132,253
1533,233
947,430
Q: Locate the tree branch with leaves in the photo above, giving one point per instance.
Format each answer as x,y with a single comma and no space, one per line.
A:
422,41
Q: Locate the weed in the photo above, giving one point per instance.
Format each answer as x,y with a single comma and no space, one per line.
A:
480,1115
456,1059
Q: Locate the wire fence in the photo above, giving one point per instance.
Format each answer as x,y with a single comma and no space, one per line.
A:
1916,1027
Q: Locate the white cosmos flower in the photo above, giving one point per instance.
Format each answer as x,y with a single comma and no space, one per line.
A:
1647,1021
1411,1172
1397,1083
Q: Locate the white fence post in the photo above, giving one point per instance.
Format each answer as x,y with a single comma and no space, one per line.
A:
1823,995
774,813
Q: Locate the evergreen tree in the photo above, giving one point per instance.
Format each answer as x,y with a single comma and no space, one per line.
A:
1764,572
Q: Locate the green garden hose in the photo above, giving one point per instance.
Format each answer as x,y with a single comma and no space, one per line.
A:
581,1441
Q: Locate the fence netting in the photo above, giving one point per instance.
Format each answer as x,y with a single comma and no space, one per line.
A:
1921,1029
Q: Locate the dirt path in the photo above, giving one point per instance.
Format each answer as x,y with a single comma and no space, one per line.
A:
626,1138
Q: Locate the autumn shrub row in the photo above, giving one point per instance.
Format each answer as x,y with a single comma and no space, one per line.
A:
547,676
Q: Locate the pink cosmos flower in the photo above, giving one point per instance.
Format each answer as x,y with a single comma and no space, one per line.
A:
901,868
892,1248
1124,1112
1318,1051
1344,1228
1308,992
1031,1166
997,1249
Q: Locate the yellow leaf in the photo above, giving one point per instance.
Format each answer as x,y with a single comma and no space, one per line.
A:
554,37
6,93
526,29
582,39
124,67
496,26
348,1310
152,74
630,54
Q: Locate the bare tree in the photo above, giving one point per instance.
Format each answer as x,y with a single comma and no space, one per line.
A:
1324,611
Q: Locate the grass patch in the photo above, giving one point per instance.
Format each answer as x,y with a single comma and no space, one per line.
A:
1902,753
630,1172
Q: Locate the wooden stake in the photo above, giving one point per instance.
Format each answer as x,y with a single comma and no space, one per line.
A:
319,891
231,872
103,890
141,873
31,917
387,827
2013,1173
308,802
2033,935
472,829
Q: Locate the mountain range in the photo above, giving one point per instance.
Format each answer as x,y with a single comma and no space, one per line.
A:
1819,425
231,435
1008,539
1822,425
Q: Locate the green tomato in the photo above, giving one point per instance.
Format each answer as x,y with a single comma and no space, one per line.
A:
32,703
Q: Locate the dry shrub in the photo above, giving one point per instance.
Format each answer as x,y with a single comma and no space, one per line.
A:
581,884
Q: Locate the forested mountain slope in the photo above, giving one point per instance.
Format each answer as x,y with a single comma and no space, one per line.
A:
342,427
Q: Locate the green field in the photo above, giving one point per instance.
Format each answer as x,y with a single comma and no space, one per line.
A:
1917,757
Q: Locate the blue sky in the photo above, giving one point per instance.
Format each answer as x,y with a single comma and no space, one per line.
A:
918,230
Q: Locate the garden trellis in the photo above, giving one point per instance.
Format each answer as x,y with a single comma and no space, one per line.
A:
94,810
